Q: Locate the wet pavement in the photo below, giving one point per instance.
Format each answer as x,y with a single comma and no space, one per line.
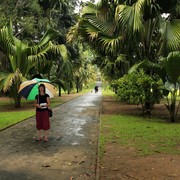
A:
70,153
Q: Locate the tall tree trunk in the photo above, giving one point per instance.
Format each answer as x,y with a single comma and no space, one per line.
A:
69,87
77,89
173,106
17,102
14,94
59,90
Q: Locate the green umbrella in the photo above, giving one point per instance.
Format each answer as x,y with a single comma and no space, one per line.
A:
29,89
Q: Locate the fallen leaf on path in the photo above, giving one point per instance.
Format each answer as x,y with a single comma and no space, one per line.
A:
87,174
81,162
101,167
46,165
118,157
115,169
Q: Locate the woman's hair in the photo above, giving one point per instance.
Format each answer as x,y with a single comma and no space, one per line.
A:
42,85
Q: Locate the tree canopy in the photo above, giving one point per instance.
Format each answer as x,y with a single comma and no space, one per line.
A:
126,32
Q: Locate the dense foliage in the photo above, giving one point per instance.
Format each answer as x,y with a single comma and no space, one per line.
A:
121,34
30,20
139,88
126,32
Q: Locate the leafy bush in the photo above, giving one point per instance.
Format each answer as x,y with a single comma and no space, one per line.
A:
114,86
139,88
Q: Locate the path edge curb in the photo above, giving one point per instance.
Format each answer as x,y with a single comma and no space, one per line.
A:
97,175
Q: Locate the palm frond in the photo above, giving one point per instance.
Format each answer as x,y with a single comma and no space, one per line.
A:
98,19
7,79
60,82
90,31
106,28
67,68
72,34
146,65
63,51
50,35
111,45
90,8
10,30
40,60
41,55
170,36
6,42
130,18
172,66
3,77
121,58
106,10
122,63
150,66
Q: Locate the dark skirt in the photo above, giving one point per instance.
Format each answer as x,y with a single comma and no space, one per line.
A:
42,120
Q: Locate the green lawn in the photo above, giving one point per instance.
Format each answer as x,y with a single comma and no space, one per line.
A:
9,118
147,136
108,92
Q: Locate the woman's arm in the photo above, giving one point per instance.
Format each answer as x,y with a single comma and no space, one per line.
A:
36,104
48,102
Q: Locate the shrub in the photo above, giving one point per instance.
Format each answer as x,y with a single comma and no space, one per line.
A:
139,88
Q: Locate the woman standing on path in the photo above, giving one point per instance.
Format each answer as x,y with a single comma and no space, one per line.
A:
42,103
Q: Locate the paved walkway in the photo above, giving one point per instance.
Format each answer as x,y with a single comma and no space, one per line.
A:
70,153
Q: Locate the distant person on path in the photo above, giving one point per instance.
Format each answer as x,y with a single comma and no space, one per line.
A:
96,89
42,103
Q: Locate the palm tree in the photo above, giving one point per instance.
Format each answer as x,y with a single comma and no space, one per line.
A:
22,58
66,74
150,34
64,70
129,31
154,37
98,28
135,30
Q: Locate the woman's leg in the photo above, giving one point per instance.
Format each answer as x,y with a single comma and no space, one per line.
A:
46,124
39,136
45,135
39,125
40,133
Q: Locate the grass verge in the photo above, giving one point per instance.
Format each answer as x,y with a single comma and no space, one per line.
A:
7,119
108,92
146,136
